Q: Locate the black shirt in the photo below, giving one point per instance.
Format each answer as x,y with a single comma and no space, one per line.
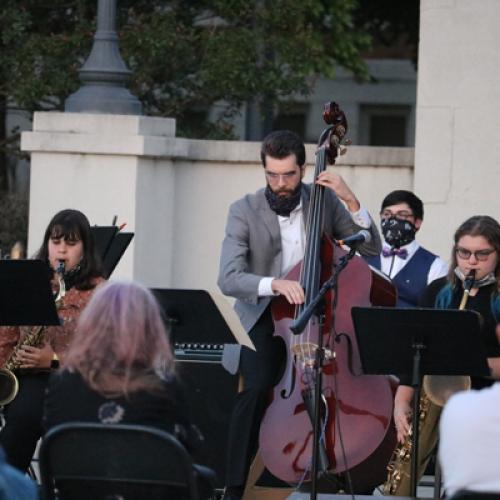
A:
70,399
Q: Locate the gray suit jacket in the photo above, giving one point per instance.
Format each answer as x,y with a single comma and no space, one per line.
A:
251,249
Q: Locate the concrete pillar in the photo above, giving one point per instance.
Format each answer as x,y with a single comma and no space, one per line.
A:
458,104
106,165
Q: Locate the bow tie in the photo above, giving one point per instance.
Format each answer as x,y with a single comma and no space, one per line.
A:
402,253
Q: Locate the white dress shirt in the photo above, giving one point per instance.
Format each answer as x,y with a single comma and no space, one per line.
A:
293,238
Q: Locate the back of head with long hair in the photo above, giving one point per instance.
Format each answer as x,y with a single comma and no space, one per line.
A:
478,225
121,344
73,225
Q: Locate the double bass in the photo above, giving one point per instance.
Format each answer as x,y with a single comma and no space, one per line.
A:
357,435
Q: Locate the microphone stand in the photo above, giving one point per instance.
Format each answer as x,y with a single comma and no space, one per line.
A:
297,327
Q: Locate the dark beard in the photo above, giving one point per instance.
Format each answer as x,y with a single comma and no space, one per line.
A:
283,205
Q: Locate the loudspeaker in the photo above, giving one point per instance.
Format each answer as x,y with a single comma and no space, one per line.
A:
210,390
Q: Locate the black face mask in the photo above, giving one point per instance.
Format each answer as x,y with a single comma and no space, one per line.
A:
283,205
397,232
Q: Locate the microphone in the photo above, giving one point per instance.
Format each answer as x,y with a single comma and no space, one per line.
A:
362,236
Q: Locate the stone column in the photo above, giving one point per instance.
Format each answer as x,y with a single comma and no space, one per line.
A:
106,165
457,160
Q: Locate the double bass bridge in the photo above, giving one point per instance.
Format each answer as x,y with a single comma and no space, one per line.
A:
305,353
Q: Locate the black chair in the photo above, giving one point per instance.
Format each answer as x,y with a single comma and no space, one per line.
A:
474,495
79,461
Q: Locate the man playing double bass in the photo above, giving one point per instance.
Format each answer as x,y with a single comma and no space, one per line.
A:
264,239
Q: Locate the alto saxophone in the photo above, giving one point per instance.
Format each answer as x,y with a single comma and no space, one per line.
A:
9,383
436,390
439,388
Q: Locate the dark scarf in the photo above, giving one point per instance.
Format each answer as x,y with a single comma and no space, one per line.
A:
283,205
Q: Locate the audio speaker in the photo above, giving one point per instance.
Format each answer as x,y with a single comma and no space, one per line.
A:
210,390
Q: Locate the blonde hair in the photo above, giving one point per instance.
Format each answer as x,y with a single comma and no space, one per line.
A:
121,343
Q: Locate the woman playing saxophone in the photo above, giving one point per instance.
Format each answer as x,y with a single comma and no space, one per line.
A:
34,351
475,253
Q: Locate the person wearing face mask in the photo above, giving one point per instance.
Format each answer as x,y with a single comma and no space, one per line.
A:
476,250
410,266
265,235
67,239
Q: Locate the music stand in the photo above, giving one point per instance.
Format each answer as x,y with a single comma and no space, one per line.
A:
103,237
417,342
110,244
120,243
26,297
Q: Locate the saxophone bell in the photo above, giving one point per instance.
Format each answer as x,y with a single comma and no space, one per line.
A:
9,386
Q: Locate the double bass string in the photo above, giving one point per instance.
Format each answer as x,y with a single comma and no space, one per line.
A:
310,280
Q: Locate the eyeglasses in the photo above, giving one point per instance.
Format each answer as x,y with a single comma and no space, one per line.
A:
400,214
273,176
480,255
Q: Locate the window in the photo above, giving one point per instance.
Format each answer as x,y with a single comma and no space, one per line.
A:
292,117
385,126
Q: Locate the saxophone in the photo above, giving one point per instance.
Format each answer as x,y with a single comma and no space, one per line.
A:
9,383
439,388
399,467
436,389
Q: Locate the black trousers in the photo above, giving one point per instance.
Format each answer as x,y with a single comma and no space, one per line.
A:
260,371
23,420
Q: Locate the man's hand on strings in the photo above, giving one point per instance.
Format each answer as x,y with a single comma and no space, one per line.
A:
335,182
291,290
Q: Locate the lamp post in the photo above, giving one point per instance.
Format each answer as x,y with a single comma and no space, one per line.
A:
104,74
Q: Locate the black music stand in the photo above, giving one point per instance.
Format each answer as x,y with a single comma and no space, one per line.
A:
26,297
417,342
110,244
195,319
103,237
120,243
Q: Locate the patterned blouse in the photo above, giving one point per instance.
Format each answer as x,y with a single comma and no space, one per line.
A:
59,337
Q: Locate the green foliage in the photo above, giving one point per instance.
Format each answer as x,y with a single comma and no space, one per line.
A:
13,220
185,55
391,22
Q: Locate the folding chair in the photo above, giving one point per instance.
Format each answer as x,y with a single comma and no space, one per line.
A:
79,461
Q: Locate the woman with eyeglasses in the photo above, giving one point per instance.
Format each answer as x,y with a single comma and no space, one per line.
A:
475,253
